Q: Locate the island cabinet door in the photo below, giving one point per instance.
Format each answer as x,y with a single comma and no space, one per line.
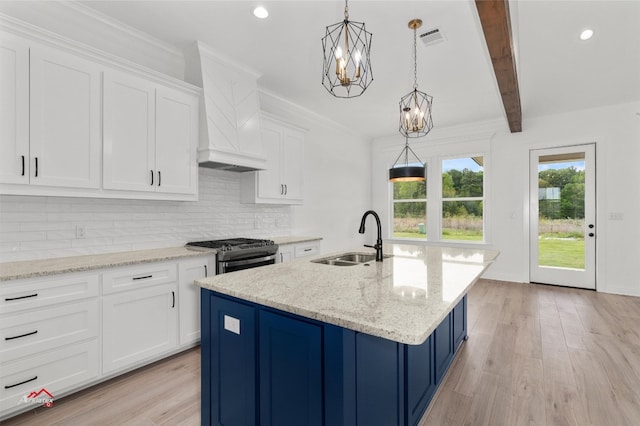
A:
290,371
443,347
459,315
379,381
232,354
421,380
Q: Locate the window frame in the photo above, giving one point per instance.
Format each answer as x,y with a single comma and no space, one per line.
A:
435,199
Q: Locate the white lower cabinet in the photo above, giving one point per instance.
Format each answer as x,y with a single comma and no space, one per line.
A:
49,337
289,252
138,325
189,296
58,372
63,333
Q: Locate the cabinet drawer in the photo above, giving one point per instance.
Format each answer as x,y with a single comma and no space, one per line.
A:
138,276
57,371
27,333
44,291
303,250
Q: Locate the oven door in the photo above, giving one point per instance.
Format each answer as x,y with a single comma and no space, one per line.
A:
226,266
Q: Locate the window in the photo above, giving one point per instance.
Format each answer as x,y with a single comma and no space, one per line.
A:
455,211
462,199
409,209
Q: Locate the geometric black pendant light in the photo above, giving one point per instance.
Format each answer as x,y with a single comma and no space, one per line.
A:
415,106
346,69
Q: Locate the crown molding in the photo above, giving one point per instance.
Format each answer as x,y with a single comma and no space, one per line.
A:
48,38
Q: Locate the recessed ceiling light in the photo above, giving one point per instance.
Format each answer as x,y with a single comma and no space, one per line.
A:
260,12
586,34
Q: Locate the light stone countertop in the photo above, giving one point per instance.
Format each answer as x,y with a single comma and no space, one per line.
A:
63,265
403,298
294,240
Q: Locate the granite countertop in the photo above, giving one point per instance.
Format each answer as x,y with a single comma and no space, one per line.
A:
294,240
403,298
63,265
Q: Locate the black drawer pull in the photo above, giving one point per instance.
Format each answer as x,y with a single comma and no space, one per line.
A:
142,278
206,273
9,299
22,335
21,383
308,249
36,175
151,177
159,178
22,165
173,296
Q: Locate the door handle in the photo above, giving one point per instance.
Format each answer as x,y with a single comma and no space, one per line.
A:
151,177
173,299
36,174
22,165
159,178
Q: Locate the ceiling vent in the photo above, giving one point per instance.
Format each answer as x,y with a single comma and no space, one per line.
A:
432,36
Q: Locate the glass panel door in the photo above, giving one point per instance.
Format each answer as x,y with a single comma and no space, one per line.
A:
562,231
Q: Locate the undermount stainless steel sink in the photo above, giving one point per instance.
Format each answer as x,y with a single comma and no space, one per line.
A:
348,259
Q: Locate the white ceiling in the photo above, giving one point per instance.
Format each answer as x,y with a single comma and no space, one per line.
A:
557,72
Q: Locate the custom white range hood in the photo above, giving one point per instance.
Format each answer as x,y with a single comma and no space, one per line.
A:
230,131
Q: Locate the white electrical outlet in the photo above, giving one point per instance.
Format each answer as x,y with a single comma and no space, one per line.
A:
232,324
81,231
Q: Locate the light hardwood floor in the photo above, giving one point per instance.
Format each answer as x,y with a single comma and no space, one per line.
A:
537,355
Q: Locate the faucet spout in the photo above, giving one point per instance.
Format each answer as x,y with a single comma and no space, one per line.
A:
378,245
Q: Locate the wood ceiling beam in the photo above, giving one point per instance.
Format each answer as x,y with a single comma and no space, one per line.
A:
496,25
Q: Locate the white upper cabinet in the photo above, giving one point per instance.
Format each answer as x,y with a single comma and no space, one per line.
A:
85,125
176,141
129,133
50,133
14,110
281,182
230,131
150,136
65,120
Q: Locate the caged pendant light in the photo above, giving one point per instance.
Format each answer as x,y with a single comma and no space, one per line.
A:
347,61
407,172
415,106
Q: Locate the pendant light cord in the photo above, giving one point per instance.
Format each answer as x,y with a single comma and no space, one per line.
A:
405,151
415,60
346,10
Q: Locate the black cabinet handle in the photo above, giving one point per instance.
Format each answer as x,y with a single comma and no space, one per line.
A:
591,226
281,189
308,249
159,178
285,189
36,174
142,278
9,299
591,234
22,383
206,273
151,177
173,297
22,335
22,165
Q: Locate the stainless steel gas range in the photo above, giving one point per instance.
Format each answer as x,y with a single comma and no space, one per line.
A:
235,254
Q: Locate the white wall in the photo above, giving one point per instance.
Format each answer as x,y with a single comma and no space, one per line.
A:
616,132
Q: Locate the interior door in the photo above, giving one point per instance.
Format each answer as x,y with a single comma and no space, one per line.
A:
563,216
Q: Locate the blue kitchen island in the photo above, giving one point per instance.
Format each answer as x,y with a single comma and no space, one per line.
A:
304,343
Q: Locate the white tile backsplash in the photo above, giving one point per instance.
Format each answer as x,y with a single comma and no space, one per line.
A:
43,227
